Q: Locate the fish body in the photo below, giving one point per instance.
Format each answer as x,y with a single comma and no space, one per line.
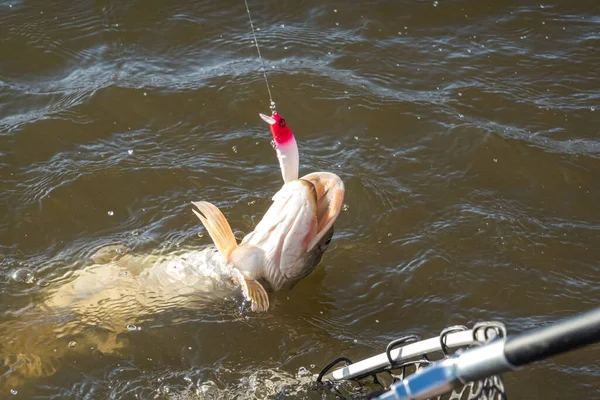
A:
289,241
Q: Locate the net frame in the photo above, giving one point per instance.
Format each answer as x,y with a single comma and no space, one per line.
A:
409,354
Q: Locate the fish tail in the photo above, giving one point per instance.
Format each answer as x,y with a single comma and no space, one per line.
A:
217,226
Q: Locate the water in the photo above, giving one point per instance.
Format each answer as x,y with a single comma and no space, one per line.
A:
466,133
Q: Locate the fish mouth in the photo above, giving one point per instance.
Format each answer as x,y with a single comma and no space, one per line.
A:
267,119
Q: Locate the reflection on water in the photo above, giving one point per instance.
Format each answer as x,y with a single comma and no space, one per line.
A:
465,133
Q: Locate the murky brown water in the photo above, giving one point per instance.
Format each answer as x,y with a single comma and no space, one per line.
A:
466,132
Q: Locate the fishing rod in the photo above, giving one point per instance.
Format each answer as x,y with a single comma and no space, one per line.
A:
492,355
499,356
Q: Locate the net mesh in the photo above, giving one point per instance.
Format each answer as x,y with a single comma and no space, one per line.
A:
378,382
490,388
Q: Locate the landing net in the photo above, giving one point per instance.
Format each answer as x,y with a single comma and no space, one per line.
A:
407,355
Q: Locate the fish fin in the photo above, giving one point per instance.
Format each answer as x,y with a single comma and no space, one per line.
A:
258,295
253,291
217,226
330,197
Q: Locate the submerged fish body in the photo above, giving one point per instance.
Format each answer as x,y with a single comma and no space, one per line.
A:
92,311
162,278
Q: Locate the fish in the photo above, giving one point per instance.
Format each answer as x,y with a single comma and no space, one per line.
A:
117,289
290,240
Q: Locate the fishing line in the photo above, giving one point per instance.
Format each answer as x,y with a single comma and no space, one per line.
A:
272,105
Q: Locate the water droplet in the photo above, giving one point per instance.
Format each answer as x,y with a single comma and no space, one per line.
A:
13,391
285,47
234,149
377,321
335,10
283,25
303,372
131,327
130,152
145,94
23,275
72,344
43,283
135,233
111,213
592,108
200,234
435,3
239,235
345,207
459,94
337,24
495,160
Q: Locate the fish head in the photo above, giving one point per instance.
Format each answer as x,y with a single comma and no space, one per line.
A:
296,230
285,146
